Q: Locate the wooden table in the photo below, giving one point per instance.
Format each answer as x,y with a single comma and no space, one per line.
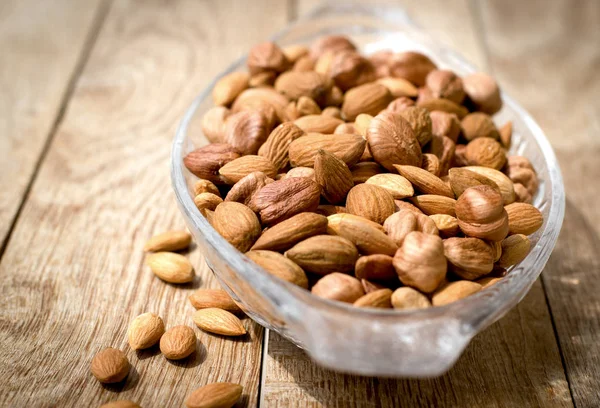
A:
90,95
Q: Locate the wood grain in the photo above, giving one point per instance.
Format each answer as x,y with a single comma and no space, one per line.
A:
73,271
41,43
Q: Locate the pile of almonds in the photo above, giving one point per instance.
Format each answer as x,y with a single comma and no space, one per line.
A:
380,180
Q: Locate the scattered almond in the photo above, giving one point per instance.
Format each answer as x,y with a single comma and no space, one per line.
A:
169,241
171,267
218,321
205,298
178,342
110,366
215,395
145,331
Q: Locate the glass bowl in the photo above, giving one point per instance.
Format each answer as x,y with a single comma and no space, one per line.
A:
370,341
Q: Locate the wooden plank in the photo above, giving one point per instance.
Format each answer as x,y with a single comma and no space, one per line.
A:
555,76
515,362
41,44
73,273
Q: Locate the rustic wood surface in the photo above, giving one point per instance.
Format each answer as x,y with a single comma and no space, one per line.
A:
85,148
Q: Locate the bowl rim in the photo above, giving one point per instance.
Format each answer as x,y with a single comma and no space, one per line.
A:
262,280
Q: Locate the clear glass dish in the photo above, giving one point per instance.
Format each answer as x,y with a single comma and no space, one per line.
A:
372,342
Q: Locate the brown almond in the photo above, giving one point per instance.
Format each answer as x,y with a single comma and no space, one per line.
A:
258,98
266,79
110,366
392,141
362,122
420,122
206,161
406,298
483,92
205,298
328,209
279,266
291,231
171,267
367,235
244,190
369,98
218,321
502,181
480,213
453,291
277,144
398,186
400,224
295,84
399,104
334,112
399,87
479,124
295,52
420,261
462,179
375,267
282,199
378,299
349,69
349,148
412,66
470,258
363,171
445,124
120,404
323,254
489,281
444,149
333,175
169,241
522,195
486,152
514,249
267,56
369,286
145,331
214,123
403,205
305,63
178,342
371,202
318,123
424,181
444,105
229,87
215,395
506,134
301,172
247,130
205,186
237,224
239,168
434,204
338,286
302,107
446,224
523,218
331,43
431,163
445,84
207,201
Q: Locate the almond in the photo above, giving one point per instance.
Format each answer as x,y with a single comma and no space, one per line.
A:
369,98
521,194
305,63
514,249
333,175
523,218
169,241
444,105
237,224
302,107
363,171
371,202
431,163
110,366
446,224
277,144
479,124
334,113
282,199
215,395
361,123
279,266
486,152
502,181
369,286
318,123
406,298
207,201
205,298
294,52
145,331
399,104
301,172
206,161
424,181
258,98
445,124
267,57
480,213
453,291
445,84
496,247
470,258
483,92
398,87
244,190
398,186
328,209
375,267
218,321
323,254
120,404
403,222
266,79
171,267
434,204
291,231
331,43
506,134
412,66
338,286
367,235
444,149
205,186
229,87
239,168
403,205
392,141
349,148
178,342
420,122
246,131
335,97
379,299
214,122
349,69
462,179
420,261
295,84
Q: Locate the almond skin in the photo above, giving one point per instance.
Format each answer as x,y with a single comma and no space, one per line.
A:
470,258
333,175
348,147
369,98
371,202
514,249
378,299
206,161
487,152
392,141
424,181
406,298
284,198
169,241
338,286
453,291
229,87
215,395
244,190
218,321
483,92
367,235
239,168
237,224
171,267
523,218
110,366
479,124
145,331
398,186
291,231
205,298
434,204
323,254
280,266
318,124
178,342
375,267
277,144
